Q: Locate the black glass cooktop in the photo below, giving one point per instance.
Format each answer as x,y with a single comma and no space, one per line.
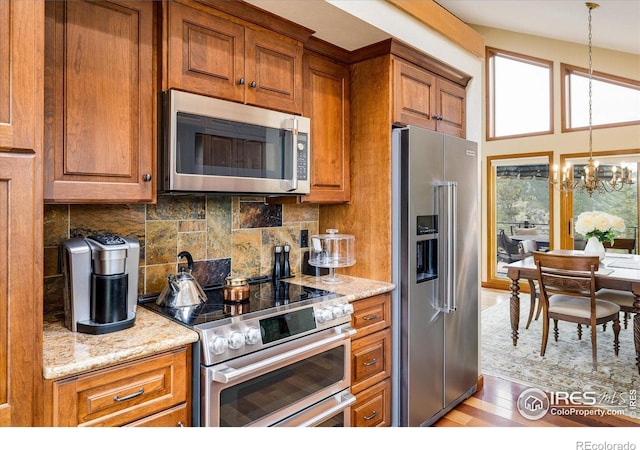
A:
264,295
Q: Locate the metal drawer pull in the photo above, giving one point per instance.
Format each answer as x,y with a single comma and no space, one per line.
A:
373,362
130,396
371,317
180,424
373,415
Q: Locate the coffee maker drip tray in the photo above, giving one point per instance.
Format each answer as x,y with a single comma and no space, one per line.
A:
91,327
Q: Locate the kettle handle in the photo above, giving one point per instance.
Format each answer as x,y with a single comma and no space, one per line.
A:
187,255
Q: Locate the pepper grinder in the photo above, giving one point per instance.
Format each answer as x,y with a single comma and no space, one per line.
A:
276,262
286,268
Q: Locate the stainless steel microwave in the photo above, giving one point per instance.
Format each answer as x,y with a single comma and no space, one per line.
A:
218,146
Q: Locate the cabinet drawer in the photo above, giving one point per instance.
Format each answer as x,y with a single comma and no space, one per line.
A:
370,360
373,406
371,314
124,394
174,417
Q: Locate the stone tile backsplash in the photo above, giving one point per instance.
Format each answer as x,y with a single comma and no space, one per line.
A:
225,235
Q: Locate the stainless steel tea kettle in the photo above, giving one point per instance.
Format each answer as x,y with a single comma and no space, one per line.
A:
182,289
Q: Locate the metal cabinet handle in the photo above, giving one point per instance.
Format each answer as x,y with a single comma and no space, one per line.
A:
373,415
129,397
241,81
146,177
371,317
180,424
253,84
373,362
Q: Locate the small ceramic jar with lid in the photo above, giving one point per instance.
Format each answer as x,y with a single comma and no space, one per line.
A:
236,289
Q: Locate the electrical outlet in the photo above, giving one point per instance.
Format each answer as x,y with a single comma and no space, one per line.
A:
304,238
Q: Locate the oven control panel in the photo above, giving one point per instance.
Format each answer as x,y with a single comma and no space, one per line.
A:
237,336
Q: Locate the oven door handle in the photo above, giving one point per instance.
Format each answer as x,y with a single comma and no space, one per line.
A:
320,412
224,373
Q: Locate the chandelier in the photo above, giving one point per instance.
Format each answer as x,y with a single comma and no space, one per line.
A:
590,180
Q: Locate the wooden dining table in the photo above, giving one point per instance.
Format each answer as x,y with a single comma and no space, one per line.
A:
617,271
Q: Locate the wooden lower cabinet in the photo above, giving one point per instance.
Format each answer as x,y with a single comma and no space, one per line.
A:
154,391
371,362
373,406
177,416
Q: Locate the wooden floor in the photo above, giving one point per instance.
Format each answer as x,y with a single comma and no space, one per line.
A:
495,404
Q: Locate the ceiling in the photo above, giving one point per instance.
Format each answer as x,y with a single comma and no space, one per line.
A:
615,24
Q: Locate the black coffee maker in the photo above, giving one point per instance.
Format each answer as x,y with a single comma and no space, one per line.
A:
101,283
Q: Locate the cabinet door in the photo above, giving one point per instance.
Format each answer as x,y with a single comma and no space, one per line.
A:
373,406
20,89
99,102
450,104
173,417
371,314
20,288
414,95
21,122
125,394
205,53
326,102
273,68
370,360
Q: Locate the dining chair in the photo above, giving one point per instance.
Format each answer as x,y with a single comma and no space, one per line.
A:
623,299
527,247
628,244
568,292
510,251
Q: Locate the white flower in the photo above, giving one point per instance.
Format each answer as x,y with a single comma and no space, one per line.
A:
599,224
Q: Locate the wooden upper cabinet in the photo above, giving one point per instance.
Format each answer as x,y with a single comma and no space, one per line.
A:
99,102
424,99
205,53
20,96
212,54
414,95
326,102
451,107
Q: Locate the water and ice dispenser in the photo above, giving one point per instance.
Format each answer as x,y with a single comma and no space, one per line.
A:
426,248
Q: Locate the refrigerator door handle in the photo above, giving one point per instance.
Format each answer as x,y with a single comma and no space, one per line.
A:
447,208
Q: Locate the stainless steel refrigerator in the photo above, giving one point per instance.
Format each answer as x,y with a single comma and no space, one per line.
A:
436,235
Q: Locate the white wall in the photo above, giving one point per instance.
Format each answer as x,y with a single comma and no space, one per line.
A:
392,20
619,138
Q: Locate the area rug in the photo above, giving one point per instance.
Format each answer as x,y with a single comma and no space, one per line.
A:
566,366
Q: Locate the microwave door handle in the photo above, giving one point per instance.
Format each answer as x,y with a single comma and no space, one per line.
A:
292,184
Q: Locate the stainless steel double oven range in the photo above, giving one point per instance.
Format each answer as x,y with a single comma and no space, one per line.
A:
282,358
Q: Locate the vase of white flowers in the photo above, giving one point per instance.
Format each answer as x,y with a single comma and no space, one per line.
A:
597,227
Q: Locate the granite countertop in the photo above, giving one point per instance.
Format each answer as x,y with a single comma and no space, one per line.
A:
66,353
351,287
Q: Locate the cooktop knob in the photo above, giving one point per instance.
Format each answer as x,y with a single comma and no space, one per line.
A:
338,310
218,345
347,308
236,340
324,314
252,335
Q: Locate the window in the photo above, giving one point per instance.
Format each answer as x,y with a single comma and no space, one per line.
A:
622,203
520,95
614,100
520,205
